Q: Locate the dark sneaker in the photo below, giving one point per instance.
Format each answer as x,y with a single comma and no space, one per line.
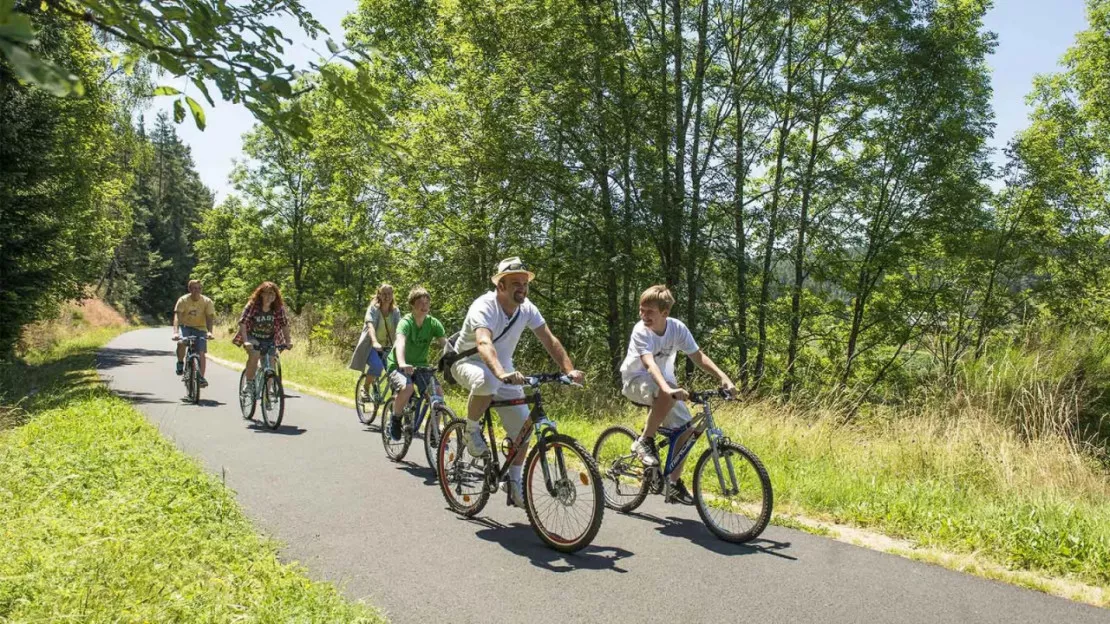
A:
364,396
180,368
202,382
679,494
395,427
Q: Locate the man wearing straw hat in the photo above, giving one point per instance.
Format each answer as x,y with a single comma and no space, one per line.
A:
493,325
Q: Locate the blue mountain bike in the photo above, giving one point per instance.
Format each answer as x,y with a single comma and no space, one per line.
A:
732,491
425,407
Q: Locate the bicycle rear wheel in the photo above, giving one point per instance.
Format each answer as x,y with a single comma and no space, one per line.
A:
272,400
365,407
566,511
395,449
462,477
246,401
436,423
733,494
622,474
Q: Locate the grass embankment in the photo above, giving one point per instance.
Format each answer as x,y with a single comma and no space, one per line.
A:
101,519
960,484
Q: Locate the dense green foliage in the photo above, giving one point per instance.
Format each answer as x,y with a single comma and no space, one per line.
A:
811,178
230,46
62,186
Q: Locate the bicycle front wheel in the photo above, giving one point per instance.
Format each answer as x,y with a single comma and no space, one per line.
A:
273,401
733,492
462,477
190,381
565,502
395,449
194,372
246,396
436,424
622,474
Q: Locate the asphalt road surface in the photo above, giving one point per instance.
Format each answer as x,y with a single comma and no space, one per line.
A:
323,486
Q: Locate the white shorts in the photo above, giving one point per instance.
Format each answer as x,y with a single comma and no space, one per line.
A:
643,390
475,376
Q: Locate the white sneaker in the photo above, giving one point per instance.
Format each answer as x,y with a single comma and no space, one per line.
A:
516,491
475,443
645,452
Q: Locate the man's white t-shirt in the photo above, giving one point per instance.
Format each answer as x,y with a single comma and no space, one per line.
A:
664,349
486,312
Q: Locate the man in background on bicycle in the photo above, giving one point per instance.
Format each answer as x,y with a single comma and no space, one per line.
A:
193,317
648,378
415,334
493,325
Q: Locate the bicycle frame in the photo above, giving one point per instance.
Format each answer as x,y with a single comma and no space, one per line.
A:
265,365
702,423
423,401
538,423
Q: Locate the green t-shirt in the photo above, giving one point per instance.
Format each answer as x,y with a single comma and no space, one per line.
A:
417,339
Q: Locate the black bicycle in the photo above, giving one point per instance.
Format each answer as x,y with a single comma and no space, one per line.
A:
732,490
562,487
191,373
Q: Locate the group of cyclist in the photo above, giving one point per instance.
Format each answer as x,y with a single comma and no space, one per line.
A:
394,345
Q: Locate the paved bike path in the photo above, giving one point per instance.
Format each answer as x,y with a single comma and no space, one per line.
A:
322,485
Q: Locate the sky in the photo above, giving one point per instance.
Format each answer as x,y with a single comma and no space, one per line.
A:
1032,37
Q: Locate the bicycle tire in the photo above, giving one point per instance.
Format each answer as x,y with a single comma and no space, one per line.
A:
248,413
395,450
187,379
702,500
434,425
587,475
195,372
618,465
271,391
365,417
452,471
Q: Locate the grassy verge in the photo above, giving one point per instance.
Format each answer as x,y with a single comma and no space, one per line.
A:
104,520
958,485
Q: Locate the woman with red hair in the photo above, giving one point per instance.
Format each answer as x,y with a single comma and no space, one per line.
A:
263,322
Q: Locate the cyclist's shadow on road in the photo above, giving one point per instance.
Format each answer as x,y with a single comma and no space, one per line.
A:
289,430
696,532
519,538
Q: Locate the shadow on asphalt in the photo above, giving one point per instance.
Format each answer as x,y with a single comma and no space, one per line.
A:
289,430
697,533
210,403
520,539
140,397
109,358
419,470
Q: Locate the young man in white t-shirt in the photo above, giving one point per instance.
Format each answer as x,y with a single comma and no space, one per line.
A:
490,373
648,378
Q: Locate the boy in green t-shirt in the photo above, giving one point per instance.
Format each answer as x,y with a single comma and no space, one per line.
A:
415,334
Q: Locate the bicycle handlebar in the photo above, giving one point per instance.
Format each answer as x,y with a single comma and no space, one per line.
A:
536,380
704,395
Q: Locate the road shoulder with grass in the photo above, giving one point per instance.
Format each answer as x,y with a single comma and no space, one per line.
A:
322,486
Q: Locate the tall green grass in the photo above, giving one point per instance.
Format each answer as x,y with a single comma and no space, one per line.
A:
103,520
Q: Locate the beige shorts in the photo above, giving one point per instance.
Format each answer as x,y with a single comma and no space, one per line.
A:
643,390
476,377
